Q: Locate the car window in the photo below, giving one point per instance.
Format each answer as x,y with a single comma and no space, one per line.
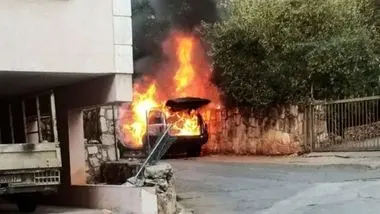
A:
156,118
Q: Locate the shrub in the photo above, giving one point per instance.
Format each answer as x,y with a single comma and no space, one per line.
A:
270,52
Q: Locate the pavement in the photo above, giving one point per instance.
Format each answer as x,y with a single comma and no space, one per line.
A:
313,183
369,160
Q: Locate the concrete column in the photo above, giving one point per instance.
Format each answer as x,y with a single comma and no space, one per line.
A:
122,36
70,101
76,147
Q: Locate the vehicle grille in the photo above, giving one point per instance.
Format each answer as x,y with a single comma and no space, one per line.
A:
47,177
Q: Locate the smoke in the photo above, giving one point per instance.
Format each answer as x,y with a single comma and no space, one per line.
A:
186,14
153,20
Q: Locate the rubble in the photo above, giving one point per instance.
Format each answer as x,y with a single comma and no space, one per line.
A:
371,130
182,210
161,176
117,172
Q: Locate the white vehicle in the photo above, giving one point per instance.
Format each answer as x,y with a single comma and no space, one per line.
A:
30,154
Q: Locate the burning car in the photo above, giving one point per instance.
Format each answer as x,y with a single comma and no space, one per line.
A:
186,65
184,113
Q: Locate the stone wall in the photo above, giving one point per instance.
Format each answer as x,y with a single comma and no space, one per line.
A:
320,129
96,155
101,147
278,131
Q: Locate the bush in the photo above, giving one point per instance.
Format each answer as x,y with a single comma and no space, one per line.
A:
269,52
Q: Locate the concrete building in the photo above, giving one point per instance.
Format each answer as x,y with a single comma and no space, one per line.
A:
82,49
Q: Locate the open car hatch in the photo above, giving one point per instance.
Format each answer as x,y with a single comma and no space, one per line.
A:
186,103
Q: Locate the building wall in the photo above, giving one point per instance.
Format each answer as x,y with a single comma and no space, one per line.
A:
87,42
86,36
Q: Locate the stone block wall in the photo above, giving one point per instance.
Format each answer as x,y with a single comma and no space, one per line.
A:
279,131
100,146
96,155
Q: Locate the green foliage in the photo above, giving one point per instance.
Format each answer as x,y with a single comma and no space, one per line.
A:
287,51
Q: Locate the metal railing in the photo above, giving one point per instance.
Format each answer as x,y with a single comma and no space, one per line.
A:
343,125
161,146
38,122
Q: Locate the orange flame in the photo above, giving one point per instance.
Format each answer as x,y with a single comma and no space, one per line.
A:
189,79
185,73
143,102
185,124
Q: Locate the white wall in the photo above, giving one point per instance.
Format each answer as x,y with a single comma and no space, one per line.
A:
86,36
116,198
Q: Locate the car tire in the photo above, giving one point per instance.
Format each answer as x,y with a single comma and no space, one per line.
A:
26,204
194,152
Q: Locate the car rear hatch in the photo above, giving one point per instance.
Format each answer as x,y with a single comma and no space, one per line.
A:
186,103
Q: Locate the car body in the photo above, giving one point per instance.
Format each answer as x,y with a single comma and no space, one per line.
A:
184,144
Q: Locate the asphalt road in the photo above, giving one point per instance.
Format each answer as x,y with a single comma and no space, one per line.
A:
223,187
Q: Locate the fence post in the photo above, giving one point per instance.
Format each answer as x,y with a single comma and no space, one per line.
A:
308,117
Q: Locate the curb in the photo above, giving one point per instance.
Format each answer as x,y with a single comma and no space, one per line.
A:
351,165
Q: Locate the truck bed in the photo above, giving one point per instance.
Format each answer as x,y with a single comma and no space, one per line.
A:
29,156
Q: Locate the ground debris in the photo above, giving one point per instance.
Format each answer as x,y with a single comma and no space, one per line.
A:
183,210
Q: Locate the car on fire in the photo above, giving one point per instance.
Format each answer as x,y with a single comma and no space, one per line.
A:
189,143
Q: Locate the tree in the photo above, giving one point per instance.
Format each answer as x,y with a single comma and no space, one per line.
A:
269,52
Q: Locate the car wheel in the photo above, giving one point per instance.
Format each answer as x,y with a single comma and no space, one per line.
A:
194,152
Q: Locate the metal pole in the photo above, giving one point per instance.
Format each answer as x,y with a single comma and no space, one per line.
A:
310,127
53,117
305,129
150,155
11,123
40,139
24,120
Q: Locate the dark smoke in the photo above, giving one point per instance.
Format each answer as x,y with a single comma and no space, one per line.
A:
153,19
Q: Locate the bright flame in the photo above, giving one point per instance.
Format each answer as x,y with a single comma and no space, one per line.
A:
140,106
187,80
185,73
185,124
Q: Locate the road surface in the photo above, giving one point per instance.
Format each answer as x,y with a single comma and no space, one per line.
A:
228,187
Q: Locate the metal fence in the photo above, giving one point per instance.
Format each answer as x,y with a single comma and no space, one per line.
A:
343,125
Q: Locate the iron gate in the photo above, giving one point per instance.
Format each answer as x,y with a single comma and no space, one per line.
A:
343,125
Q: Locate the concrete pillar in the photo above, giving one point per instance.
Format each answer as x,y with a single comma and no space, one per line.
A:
76,147
70,101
